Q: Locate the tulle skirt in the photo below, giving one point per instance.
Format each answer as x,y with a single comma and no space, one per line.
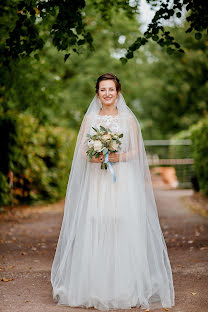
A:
118,257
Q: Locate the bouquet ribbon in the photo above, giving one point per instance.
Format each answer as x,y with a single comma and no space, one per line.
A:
109,165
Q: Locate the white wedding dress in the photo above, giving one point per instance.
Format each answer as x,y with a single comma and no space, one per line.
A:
113,256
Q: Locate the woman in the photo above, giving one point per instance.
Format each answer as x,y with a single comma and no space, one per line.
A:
111,253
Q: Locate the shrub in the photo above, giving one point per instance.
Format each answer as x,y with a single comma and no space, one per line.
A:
39,158
198,134
199,137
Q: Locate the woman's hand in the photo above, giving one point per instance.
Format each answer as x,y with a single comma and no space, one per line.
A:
113,157
100,159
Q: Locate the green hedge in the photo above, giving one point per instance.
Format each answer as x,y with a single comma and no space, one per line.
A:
198,134
199,137
39,157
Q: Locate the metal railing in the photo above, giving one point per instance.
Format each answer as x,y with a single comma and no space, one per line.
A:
172,153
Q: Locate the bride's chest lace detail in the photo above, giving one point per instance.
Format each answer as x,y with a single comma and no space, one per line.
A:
108,121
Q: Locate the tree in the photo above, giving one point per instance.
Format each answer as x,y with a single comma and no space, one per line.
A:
174,89
196,21
66,21
167,94
58,93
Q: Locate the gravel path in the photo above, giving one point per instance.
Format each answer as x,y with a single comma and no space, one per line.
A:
28,239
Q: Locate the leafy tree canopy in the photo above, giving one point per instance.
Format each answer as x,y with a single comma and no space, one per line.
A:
196,20
167,94
66,22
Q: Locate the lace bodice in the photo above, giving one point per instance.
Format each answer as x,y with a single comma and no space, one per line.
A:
108,121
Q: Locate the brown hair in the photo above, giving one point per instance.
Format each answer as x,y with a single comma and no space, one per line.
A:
108,76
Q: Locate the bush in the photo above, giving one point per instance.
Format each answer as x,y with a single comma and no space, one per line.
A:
199,137
198,134
34,161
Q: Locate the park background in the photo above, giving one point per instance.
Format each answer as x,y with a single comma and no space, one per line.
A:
51,54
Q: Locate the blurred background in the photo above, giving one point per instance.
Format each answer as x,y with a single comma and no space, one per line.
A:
52,53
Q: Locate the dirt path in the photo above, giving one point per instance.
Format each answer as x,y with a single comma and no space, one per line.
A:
28,240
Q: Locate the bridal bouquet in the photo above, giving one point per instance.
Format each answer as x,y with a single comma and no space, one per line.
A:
103,142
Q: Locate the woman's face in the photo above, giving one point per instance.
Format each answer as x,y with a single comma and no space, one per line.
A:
107,92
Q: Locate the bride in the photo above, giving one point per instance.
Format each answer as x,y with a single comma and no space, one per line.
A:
111,253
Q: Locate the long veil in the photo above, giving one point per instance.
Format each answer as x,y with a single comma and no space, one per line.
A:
146,232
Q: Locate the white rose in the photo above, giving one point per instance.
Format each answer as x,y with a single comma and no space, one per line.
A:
114,146
106,137
90,143
97,146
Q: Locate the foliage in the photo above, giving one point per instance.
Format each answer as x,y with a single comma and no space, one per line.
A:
66,23
165,101
5,191
58,93
63,21
167,94
198,134
174,89
196,19
38,157
200,147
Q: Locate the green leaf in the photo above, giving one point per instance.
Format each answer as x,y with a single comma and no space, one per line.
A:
123,60
130,55
103,129
170,50
176,44
36,56
155,37
143,41
66,57
155,30
120,135
161,42
147,34
95,129
81,42
198,36
189,30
